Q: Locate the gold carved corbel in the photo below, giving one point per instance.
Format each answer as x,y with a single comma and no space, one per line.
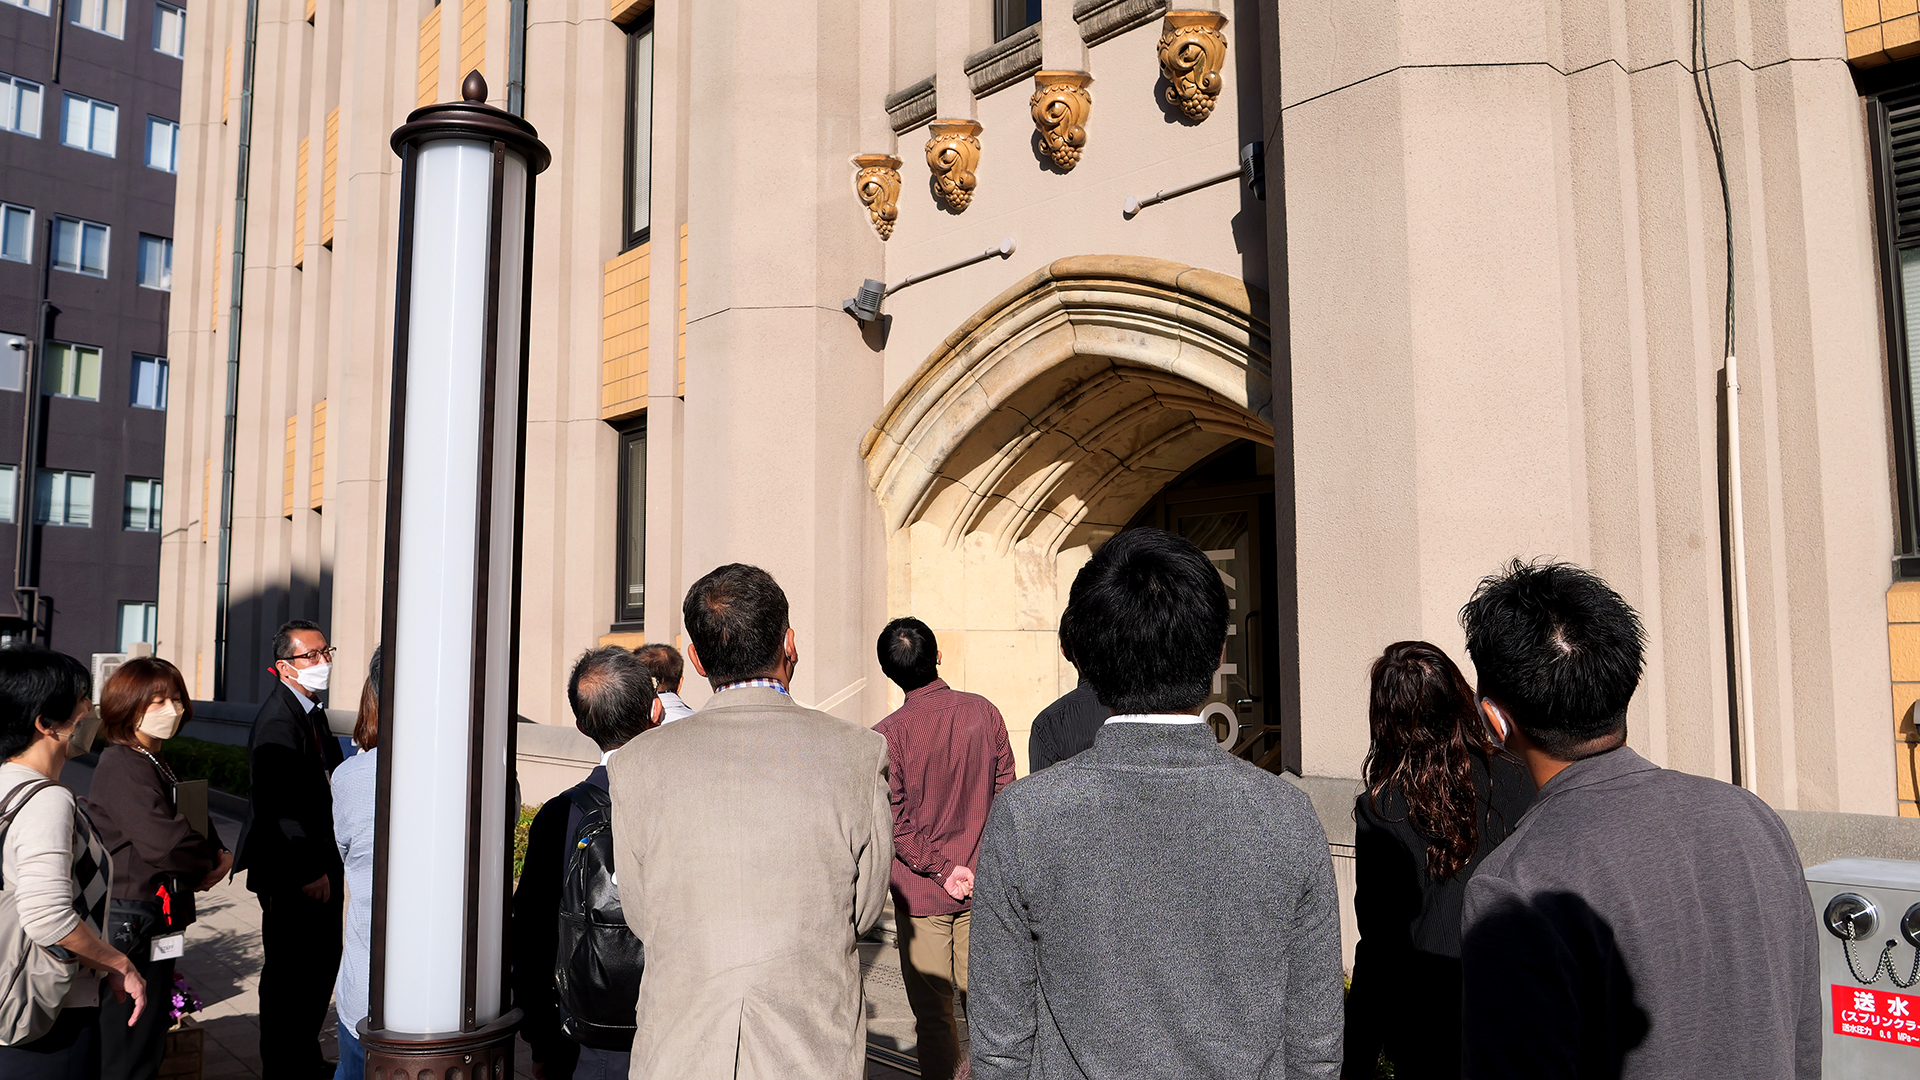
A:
1192,52
953,153
1060,107
878,184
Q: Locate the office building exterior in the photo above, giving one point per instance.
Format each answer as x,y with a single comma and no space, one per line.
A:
89,139
1465,301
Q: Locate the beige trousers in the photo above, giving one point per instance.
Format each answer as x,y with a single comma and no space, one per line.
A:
933,964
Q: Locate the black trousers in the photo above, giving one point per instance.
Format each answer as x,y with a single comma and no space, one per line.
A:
69,1051
133,1053
301,939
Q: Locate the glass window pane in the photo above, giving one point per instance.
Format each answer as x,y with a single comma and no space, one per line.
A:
54,380
16,233
106,128
75,116
66,244
12,363
9,104
51,499
27,118
80,499
7,493
89,375
93,249
640,150
633,528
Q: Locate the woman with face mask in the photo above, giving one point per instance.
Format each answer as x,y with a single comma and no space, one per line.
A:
159,858
55,878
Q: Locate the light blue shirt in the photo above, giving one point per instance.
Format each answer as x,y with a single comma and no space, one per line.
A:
353,792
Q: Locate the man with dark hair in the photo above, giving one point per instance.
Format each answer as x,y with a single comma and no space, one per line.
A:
1154,906
1639,922
288,851
664,662
1069,725
948,757
753,847
612,696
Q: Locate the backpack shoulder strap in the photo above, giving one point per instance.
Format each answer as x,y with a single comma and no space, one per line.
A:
16,801
589,797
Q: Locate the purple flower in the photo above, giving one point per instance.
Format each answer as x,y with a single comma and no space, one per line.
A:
184,1001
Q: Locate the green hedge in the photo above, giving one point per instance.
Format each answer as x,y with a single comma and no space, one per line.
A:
520,837
221,766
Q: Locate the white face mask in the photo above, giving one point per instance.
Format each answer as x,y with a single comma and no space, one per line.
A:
314,678
162,721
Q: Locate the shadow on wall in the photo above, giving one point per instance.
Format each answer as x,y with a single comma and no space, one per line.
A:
252,620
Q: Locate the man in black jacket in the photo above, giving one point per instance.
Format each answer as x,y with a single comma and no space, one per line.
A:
613,699
287,850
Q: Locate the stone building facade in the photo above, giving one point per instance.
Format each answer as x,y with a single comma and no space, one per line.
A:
1471,306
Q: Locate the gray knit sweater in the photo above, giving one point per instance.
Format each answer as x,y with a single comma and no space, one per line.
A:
1154,907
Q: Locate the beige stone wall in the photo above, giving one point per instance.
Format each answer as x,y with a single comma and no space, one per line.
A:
1506,256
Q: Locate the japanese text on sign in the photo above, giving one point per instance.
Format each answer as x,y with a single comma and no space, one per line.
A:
1880,1015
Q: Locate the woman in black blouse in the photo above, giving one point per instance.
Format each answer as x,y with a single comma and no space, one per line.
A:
154,850
1440,795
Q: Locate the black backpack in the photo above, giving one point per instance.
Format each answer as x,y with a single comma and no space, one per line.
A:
598,965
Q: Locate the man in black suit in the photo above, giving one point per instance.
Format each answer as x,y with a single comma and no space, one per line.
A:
288,852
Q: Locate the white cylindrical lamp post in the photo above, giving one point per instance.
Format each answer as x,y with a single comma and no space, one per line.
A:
438,998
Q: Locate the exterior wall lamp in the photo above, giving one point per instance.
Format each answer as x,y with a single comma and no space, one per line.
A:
438,1002
864,306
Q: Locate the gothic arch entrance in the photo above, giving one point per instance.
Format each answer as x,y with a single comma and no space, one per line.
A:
1042,426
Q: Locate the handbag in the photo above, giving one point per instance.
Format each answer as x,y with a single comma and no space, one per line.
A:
133,924
33,980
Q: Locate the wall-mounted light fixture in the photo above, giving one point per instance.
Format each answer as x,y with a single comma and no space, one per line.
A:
438,1001
1252,171
864,306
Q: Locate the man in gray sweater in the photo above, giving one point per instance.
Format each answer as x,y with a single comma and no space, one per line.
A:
1640,923
1154,906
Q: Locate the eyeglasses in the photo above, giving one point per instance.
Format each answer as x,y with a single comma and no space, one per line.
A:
315,656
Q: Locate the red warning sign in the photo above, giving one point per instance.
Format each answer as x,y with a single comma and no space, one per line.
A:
1881,1015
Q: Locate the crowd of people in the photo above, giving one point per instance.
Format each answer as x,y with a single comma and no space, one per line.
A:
1534,899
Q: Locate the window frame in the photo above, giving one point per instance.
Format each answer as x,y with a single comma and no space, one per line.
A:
10,505
172,168
46,7
94,105
13,365
133,389
12,84
106,247
1900,361
149,618
156,496
76,8
45,506
32,220
1003,16
160,6
140,263
632,235
47,387
627,616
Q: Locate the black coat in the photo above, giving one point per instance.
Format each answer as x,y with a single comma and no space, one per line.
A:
287,841
536,929
132,806
1066,727
1406,970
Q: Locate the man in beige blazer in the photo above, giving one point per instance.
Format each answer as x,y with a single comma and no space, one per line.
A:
752,843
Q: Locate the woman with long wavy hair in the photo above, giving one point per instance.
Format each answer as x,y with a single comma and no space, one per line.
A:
1440,795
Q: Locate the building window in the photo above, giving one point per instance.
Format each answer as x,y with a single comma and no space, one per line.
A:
19,105
8,493
90,125
71,371
1012,16
149,382
163,144
80,247
630,577
639,133
169,30
156,262
1894,123
40,6
66,498
139,621
16,233
13,362
108,17
143,505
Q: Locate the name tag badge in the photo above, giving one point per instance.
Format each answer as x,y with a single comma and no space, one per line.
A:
171,947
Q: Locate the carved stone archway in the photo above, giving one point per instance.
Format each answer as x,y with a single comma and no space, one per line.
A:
1055,412
1039,428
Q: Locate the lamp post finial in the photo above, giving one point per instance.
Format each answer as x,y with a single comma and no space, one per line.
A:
475,88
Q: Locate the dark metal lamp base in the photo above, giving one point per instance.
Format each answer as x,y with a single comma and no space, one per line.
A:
486,1054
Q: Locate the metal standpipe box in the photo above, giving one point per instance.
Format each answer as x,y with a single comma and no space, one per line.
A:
1869,912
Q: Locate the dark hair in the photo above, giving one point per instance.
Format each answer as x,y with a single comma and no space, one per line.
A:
664,663
1145,622
37,684
1424,720
612,696
1557,649
283,637
366,725
736,618
131,688
908,653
